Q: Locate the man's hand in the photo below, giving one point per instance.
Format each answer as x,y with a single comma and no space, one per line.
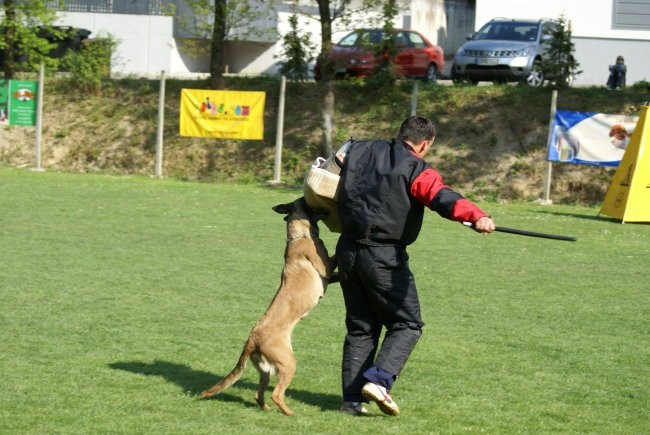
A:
484,225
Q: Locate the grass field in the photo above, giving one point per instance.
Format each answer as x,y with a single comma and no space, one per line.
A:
122,298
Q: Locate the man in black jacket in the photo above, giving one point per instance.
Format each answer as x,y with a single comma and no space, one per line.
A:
617,73
383,190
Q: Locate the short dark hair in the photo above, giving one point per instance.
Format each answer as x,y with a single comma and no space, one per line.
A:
415,129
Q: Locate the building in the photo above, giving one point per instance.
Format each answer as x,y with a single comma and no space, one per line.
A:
150,40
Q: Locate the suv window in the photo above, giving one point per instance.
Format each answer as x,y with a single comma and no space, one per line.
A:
548,27
508,31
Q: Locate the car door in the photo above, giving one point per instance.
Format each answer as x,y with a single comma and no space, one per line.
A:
404,58
420,58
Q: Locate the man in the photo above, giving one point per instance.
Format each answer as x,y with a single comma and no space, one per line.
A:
617,73
383,190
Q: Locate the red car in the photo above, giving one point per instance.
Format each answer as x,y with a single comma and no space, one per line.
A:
353,56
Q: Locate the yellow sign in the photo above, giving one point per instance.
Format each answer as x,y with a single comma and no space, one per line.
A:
222,114
628,196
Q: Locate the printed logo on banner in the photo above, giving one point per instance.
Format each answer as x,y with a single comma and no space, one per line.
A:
222,114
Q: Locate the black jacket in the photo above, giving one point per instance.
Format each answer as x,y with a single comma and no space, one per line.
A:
384,188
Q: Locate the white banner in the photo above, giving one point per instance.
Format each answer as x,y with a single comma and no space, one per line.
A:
589,138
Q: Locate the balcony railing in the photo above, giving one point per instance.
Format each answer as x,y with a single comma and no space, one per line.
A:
138,7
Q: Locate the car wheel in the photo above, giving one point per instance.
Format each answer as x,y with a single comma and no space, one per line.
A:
536,76
431,76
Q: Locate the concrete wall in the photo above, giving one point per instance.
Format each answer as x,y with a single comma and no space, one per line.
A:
444,22
145,42
597,40
147,45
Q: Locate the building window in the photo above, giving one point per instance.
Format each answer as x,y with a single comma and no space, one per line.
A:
632,14
138,7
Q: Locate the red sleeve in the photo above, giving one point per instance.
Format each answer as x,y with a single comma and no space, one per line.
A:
466,211
429,184
426,186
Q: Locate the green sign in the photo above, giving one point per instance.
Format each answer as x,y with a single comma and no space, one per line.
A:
4,101
22,102
18,102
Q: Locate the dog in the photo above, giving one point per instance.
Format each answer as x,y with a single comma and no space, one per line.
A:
306,273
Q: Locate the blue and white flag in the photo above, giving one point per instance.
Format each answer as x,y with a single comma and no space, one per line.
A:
589,138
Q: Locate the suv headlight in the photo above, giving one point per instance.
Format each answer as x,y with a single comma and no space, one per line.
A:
524,52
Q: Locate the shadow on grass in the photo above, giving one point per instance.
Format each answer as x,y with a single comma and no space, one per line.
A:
194,381
601,218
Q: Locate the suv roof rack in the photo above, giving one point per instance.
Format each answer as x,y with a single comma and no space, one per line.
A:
523,19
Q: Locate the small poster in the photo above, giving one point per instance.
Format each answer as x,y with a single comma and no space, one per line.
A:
22,102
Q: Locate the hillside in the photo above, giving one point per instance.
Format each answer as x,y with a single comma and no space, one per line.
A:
491,143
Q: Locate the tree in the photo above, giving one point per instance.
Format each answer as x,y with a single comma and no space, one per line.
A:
386,51
328,12
559,61
217,42
28,33
221,22
297,52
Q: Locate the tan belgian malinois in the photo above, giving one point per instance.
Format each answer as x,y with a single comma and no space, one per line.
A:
306,273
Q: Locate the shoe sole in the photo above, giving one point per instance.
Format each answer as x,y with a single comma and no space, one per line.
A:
384,406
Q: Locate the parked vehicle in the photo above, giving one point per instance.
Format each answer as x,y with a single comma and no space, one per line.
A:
63,38
505,50
355,55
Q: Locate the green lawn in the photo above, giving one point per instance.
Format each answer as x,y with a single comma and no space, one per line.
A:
122,298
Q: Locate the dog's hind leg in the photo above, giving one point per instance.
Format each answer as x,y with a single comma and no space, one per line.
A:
286,370
264,382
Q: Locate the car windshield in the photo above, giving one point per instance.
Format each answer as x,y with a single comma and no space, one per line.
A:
362,38
508,31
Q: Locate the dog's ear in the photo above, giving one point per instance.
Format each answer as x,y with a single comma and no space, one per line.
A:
283,208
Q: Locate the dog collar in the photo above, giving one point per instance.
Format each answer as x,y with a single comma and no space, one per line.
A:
302,236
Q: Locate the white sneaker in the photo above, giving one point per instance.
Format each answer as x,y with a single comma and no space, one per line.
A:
381,397
353,408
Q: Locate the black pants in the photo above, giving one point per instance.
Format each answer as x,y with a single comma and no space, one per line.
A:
616,78
379,290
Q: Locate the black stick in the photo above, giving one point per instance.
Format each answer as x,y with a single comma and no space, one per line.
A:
530,233
534,234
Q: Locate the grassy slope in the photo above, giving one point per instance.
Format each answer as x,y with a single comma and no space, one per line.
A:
123,297
491,142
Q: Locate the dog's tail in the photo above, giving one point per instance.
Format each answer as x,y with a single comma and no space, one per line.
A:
235,374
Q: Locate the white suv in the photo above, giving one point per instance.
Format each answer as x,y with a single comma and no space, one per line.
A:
505,50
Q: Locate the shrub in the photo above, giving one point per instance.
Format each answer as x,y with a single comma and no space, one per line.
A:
90,64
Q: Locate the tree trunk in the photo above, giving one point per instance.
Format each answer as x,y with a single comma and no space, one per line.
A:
217,46
327,76
10,39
